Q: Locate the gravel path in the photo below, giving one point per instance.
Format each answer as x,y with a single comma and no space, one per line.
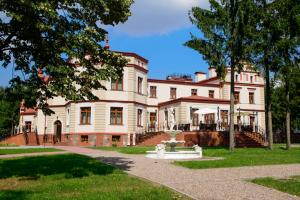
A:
204,184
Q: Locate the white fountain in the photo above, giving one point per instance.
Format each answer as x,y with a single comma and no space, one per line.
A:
160,149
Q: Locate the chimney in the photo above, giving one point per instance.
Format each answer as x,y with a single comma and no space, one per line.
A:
106,42
212,72
200,76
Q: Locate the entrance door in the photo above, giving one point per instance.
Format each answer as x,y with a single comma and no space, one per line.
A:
57,131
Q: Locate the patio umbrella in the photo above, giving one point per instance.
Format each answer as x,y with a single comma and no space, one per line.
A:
206,111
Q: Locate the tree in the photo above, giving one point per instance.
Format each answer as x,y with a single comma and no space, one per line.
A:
279,103
264,52
289,50
9,111
44,36
224,40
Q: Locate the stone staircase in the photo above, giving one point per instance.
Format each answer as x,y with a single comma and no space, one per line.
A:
249,139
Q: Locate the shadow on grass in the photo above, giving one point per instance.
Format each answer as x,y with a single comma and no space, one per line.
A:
16,195
119,162
72,165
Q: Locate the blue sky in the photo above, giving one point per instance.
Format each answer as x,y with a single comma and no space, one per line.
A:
156,30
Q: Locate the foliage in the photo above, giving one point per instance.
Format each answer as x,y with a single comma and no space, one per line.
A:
9,110
279,103
53,36
71,176
289,185
225,29
244,157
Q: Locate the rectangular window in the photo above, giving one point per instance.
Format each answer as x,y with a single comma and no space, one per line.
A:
152,91
194,92
211,93
209,118
140,85
195,117
84,138
236,78
251,97
236,97
116,116
173,93
117,85
85,115
139,117
28,126
152,119
224,118
251,79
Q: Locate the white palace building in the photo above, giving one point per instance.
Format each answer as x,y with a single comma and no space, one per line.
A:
139,105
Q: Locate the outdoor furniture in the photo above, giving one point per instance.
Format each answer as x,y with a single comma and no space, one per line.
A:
207,127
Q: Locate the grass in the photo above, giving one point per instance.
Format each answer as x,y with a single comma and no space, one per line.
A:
244,157
134,150
29,150
71,176
290,185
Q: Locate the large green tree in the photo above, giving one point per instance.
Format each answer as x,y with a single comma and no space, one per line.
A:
225,29
289,50
9,111
279,103
47,35
264,51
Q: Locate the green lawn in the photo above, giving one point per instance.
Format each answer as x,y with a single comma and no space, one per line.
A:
244,157
70,176
30,150
290,185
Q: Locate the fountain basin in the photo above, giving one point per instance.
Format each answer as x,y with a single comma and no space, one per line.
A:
174,155
161,153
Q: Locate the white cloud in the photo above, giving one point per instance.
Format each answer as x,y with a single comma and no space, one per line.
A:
151,17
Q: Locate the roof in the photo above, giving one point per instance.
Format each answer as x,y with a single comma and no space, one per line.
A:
196,99
200,72
205,82
131,54
28,111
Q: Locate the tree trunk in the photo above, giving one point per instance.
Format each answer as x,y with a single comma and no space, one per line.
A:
231,125
288,114
268,107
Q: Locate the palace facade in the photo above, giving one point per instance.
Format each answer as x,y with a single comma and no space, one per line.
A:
139,105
